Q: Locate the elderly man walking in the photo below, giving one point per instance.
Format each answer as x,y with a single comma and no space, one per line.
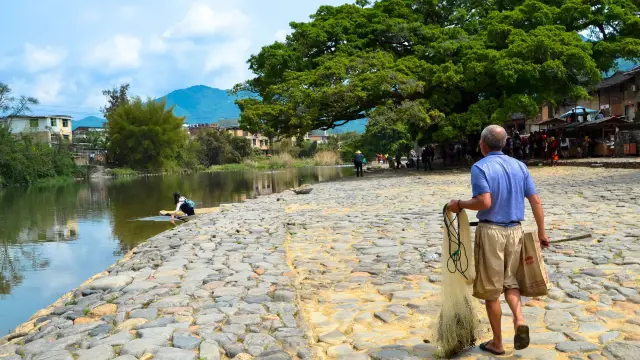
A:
500,184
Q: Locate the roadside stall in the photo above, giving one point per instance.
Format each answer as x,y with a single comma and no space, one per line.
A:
601,131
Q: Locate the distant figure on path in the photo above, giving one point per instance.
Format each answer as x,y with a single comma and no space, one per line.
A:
500,184
357,161
427,157
565,144
183,204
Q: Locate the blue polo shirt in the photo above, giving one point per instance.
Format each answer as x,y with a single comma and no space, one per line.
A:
508,181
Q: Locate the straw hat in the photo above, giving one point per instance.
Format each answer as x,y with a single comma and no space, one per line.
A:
358,152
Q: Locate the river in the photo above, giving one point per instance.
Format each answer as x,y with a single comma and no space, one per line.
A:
54,238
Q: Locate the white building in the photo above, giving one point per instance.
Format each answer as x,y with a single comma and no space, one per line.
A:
50,129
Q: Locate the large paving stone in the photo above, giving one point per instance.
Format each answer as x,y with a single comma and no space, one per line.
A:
209,351
163,333
167,353
186,341
622,350
120,338
273,355
256,344
54,355
109,282
576,346
547,338
591,328
138,347
536,353
390,354
100,352
149,313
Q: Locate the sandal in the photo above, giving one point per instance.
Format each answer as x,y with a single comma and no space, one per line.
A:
521,338
484,347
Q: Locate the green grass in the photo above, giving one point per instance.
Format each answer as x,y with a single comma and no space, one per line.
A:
71,303
122,172
54,181
86,311
262,164
228,167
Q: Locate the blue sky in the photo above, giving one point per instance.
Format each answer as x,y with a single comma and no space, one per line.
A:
66,52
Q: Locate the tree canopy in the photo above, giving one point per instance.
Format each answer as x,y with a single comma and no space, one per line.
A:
437,68
145,135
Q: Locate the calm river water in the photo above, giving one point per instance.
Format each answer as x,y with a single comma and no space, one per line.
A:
54,238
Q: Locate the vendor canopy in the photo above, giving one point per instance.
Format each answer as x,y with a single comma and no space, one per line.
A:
578,110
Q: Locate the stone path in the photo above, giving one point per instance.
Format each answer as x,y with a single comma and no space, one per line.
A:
350,271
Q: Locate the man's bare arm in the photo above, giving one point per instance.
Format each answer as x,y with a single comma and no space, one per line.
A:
538,214
480,202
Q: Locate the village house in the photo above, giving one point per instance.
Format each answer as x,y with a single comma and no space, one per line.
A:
51,129
232,126
321,136
194,129
617,95
81,132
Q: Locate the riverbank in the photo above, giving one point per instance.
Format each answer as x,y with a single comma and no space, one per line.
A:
349,271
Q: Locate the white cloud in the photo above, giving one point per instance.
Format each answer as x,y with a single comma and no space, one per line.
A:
48,87
281,35
94,100
120,52
229,61
202,20
158,45
48,57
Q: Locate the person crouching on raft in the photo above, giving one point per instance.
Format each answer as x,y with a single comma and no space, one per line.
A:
183,204
500,184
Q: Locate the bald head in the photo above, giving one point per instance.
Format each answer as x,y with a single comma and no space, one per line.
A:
494,137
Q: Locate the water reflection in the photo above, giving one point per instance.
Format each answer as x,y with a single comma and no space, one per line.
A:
53,238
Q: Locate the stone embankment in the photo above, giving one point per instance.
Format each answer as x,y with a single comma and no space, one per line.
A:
350,271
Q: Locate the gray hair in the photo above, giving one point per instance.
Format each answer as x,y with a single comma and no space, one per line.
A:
495,137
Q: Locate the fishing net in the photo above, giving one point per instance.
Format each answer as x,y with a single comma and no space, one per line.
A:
458,321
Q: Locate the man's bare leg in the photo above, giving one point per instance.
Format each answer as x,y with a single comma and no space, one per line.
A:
494,312
513,299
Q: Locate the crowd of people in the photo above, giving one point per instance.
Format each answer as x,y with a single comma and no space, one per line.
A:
545,146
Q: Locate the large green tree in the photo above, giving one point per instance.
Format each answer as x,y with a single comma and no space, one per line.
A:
145,135
449,67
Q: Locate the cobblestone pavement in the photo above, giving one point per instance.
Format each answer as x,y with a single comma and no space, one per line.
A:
350,271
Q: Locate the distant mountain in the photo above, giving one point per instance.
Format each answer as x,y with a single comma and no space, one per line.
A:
90,121
352,126
201,105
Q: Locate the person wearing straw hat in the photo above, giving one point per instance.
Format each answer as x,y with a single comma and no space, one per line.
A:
358,158
499,184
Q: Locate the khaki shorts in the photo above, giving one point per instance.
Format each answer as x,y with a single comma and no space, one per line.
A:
497,258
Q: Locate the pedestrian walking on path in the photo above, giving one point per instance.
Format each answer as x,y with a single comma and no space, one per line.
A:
500,184
358,158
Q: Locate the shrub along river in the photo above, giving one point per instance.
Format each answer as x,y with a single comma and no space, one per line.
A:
54,238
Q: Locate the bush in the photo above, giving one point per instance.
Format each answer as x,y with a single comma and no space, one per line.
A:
285,146
280,161
327,158
24,161
124,172
220,148
145,135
